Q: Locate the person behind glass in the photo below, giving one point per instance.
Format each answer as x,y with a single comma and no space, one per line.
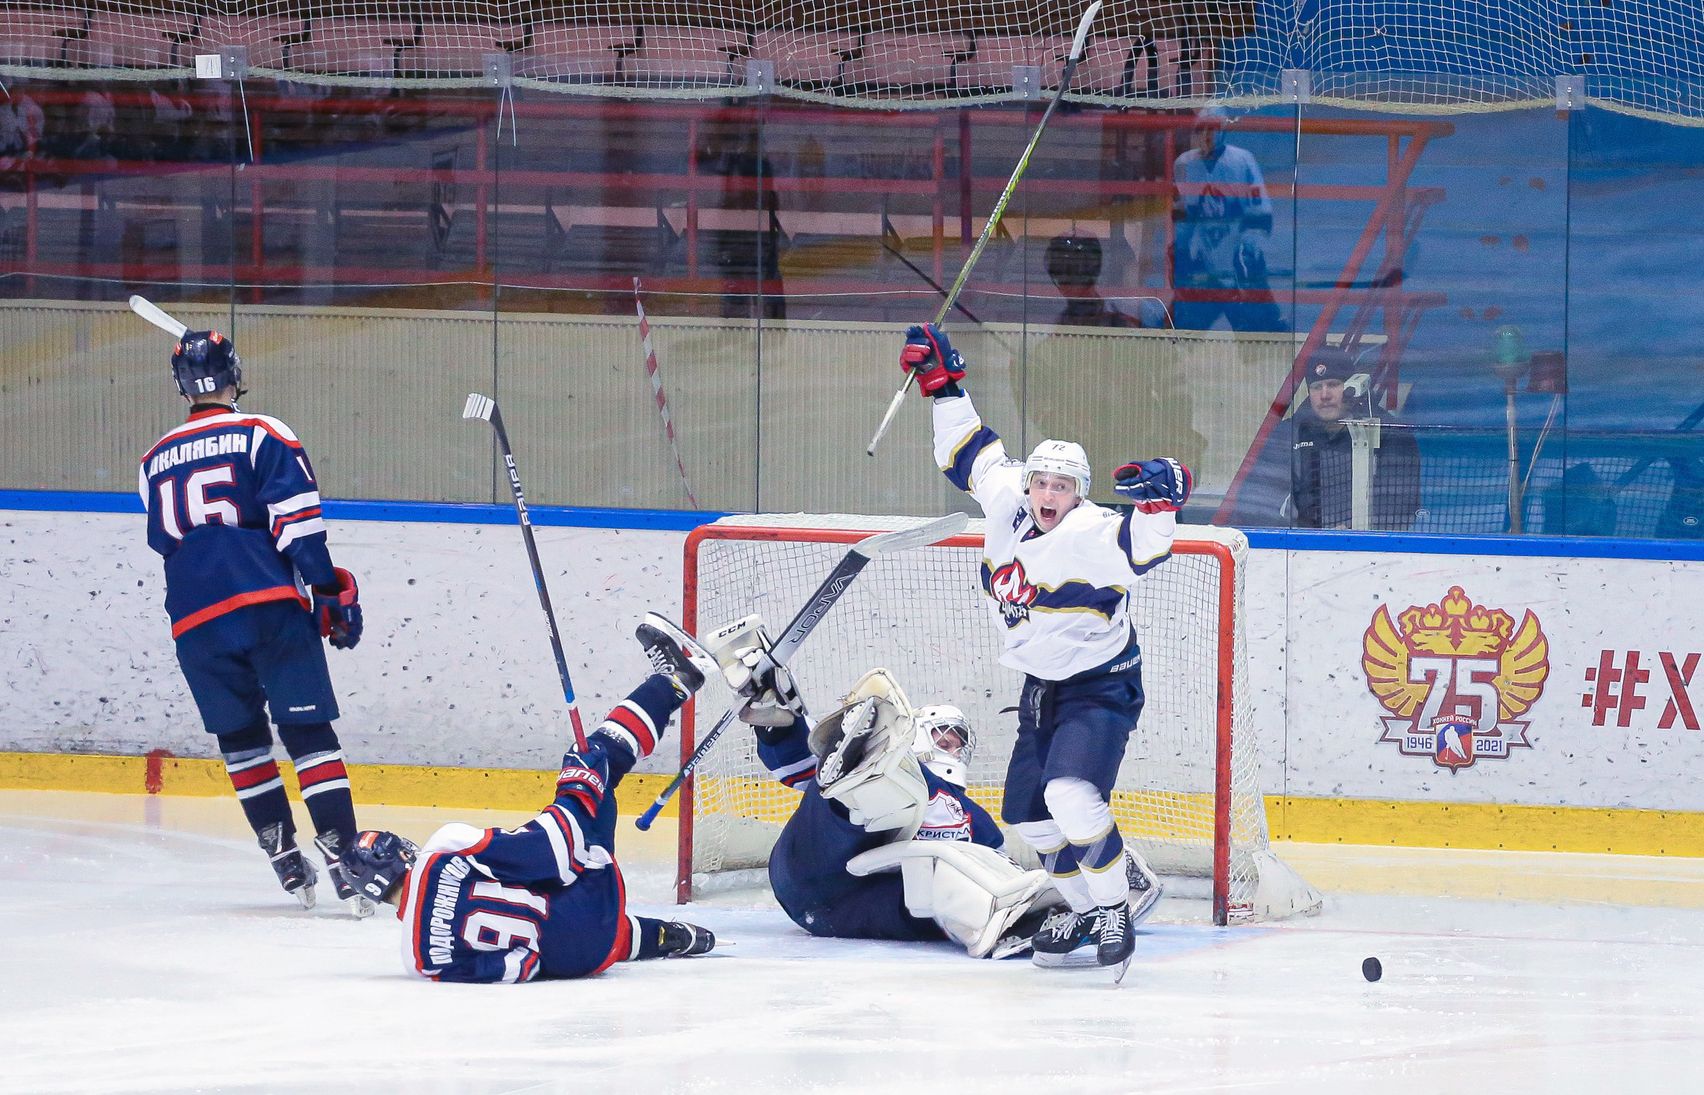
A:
1321,466
1074,263
1223,220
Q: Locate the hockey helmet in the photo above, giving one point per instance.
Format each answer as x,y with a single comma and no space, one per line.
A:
205,362
945,742
1065,458
1073,260
376,863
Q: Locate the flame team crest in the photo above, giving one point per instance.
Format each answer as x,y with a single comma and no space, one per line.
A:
1456,678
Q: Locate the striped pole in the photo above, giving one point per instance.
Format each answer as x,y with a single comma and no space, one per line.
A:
656,376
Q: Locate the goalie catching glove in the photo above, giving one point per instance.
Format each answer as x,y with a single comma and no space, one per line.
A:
747,656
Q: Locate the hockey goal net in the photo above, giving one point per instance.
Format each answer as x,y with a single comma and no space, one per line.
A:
1188,794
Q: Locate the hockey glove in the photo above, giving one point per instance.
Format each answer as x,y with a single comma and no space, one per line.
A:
1154,486
928,354
338,611
1250,262
771,697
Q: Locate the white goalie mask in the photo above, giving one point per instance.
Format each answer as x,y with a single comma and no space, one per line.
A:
1065,458
945,742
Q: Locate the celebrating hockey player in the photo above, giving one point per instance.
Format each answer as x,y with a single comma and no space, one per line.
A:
234,508
1057,570
546,899
885,843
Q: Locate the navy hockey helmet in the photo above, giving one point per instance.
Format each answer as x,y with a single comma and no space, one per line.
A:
204,362
377,862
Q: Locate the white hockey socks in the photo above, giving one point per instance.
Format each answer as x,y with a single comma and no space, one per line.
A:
1087,822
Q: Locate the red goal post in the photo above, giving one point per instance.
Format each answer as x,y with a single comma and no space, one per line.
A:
1187,795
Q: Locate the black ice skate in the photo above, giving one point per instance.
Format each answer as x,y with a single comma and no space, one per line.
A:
686,940
674,653
1116,939
295,874
1063,933
329,845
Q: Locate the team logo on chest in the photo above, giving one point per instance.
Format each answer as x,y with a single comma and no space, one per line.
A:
944,819
1012,592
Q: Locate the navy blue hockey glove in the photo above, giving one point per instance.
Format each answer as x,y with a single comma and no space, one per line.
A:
938,366
1154,486
338,610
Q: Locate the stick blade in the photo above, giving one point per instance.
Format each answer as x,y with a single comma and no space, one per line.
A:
917,536
479,406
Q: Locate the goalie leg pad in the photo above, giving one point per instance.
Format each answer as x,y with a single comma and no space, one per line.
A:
865,760
974,893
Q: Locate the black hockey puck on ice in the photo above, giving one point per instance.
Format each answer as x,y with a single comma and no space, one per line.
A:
1371,970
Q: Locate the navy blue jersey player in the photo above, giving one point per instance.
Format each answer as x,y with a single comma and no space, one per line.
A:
886,843
234,509
545,899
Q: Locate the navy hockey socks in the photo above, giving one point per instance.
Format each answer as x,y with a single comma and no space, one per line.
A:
254,776
638,722
323,779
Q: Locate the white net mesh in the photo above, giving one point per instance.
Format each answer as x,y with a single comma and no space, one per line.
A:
1643,56
921,615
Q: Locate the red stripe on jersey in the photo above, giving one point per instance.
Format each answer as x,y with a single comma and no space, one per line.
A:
584,799
291,518
188,430
623,926
241,600
560,817
529,966
799,777
316,774
626,718
254,777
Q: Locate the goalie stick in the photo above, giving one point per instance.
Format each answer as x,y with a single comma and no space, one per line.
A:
1065,78
156,315
484,407
857,557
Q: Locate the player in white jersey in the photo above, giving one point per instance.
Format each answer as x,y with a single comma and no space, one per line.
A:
1058,570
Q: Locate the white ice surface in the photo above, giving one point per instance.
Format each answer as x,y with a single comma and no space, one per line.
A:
147,948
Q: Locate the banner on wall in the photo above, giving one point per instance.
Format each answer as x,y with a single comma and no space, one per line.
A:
1551,681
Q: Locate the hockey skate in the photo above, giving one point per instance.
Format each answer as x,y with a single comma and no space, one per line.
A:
329,848
295,874
1063,933
1145,887
1115,942
674,654
686,940
854,743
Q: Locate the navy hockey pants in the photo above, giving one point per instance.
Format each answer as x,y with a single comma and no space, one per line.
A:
1077,727
807,870
260,656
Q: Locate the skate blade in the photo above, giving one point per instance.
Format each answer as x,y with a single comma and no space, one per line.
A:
360,907
1120,969
305,894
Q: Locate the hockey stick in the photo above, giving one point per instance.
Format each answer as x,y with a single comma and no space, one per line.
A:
154,314
857,557
479,406
1065,78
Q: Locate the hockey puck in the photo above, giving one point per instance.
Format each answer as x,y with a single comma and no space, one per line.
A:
1371,969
